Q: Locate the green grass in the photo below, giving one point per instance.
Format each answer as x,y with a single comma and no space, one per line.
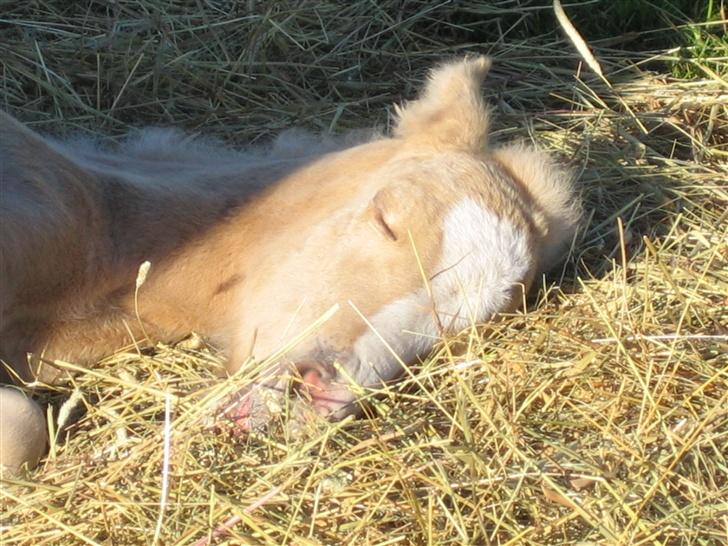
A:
599,416
705,48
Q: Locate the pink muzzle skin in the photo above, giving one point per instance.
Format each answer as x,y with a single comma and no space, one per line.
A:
247,410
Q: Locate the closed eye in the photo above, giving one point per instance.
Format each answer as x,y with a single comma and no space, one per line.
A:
384,227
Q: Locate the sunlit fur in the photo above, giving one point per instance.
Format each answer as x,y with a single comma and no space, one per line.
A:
250,247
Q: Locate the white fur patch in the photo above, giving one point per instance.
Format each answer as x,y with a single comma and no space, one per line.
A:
152,151
484,257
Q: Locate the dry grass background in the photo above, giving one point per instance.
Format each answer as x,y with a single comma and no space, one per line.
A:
599,416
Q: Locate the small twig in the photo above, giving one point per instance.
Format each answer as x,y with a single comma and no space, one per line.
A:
165,465
666,337
141,278
576,39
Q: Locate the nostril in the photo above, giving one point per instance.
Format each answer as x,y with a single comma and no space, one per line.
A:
326,395
305,367
312,383
309,381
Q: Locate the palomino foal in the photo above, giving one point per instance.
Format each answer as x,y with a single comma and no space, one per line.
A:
421,233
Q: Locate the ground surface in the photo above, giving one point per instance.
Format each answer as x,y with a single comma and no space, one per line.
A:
599,416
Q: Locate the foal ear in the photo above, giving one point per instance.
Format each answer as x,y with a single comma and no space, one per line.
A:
450,111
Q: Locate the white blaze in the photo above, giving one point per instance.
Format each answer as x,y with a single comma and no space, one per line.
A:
484,257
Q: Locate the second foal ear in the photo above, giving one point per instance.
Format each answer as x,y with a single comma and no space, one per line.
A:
450,111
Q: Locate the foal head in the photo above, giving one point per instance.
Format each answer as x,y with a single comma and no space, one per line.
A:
410,237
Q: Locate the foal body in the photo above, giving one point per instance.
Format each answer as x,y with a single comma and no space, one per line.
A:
421,233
